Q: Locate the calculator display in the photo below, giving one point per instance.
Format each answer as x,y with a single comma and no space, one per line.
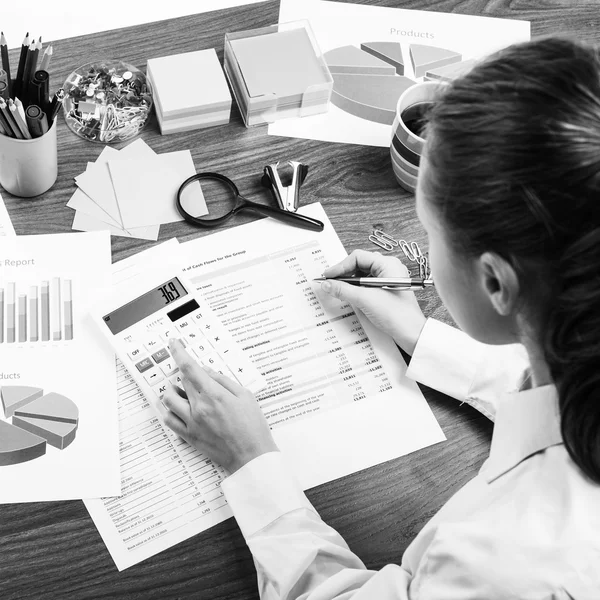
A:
144,306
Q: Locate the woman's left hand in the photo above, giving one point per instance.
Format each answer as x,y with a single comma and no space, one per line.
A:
215,414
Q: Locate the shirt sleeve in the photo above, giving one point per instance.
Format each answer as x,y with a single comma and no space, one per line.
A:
448,360
298,557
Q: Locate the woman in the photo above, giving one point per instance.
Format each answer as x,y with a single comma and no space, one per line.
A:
509,194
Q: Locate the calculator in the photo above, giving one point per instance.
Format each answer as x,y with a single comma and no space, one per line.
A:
139,321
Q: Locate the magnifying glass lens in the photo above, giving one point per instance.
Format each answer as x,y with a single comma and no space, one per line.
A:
207,199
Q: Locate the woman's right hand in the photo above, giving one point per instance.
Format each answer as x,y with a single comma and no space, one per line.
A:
394,312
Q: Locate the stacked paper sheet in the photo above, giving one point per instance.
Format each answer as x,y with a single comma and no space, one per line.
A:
277,72
131,192
189,91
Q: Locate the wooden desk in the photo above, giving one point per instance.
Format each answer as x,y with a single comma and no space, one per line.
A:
53,550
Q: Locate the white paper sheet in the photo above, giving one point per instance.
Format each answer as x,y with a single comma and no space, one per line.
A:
49,342
6,226
97,183
347,393
337,24
146,188
85,222
333,380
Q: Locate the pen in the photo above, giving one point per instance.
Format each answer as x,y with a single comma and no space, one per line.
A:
5,63
55,105
36,121
388,283
39,90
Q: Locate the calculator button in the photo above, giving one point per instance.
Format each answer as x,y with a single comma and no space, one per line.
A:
168,367
167,333
212,360
144,365
219,339
198,317
153,376
176,380
201,348
160,390
244,375
184,325
135,353
160,355
153,344
193,335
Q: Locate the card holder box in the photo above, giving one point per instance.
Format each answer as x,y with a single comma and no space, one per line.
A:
277,72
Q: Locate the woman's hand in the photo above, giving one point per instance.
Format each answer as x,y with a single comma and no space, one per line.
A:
215,414
396,313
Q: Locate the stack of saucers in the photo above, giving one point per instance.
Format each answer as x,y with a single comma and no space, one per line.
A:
407,144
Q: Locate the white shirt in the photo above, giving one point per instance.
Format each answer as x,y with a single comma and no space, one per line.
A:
526,527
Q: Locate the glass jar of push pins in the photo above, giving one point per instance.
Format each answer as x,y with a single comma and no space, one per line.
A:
107,101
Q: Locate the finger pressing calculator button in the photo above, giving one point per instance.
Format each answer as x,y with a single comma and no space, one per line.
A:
160,355
161,389
176,380
153,376
144,365
168,367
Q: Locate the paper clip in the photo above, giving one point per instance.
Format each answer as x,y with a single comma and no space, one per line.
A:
408,252
383,240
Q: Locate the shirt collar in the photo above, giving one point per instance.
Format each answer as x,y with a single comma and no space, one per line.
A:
526,422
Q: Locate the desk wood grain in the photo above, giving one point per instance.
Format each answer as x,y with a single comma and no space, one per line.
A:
53,550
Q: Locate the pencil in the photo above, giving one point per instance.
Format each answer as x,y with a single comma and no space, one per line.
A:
48,52
16,115
9,123
34,59
20,108
5,62
24,89
21,67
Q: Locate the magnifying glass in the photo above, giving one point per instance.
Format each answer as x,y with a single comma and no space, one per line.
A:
219,199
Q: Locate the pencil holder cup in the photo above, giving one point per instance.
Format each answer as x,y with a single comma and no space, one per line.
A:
407,142
29,167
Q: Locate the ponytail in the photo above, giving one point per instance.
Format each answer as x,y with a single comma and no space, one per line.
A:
513,155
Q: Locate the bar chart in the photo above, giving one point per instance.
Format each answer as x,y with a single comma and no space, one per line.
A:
42,312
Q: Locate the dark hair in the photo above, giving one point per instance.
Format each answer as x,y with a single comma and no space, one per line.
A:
513,150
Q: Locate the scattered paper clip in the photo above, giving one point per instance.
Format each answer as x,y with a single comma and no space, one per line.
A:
383,240
411,250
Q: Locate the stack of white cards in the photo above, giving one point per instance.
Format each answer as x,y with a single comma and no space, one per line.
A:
189,91
133,191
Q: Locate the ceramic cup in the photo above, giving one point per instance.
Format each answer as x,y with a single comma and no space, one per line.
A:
29,167
407,144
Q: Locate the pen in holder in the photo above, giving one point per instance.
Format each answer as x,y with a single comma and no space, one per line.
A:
29,167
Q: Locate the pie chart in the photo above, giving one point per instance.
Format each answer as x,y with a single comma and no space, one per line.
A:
368,81
38,420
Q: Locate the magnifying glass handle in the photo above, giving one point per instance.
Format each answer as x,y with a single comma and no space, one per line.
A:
288,217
